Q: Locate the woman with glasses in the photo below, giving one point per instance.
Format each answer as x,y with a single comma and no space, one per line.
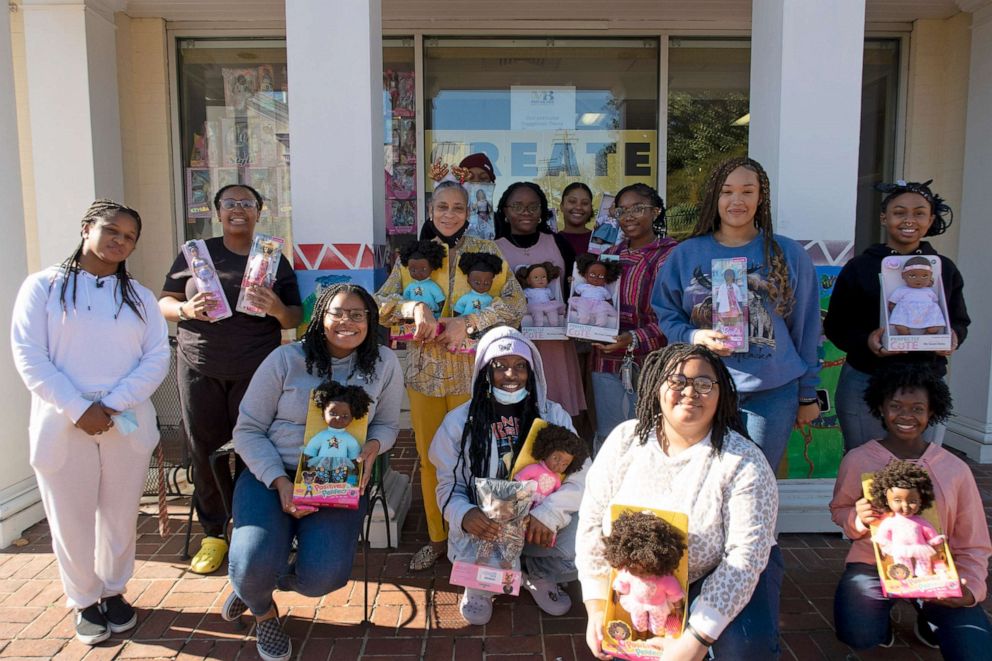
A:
217,359
439,376
641,214
686,452
340,345
523,233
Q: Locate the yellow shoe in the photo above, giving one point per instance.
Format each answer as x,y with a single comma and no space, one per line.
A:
210,556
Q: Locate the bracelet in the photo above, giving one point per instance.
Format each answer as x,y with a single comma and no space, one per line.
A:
803,401
182,313
698,636
633,339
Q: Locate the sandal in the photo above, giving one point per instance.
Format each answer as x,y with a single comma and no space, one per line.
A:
476,606
424,558
210,556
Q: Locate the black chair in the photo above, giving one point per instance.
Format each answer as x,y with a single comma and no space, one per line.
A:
377,494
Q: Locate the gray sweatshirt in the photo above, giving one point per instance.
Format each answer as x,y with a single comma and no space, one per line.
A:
269,435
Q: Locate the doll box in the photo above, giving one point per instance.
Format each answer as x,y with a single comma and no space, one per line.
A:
728,278
606,231
593,333
196,249
897,579
483,577
620,639
532,332
263,263
891,279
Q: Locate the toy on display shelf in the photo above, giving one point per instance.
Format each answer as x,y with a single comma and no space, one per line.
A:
239,86
406,94
198,193
422,267
266,78
729,295
480,203
606,232
205,278
545,318
224,177
593,305
913,306
401,217
263,261
264,180
401,184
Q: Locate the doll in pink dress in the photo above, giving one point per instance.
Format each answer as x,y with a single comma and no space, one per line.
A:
646,550
904,489
559,453
592,300
544,304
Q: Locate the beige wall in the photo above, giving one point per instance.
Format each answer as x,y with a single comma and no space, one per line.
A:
24,140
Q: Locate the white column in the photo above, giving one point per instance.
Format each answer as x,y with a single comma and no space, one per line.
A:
20,504
334,54
71,57
970,429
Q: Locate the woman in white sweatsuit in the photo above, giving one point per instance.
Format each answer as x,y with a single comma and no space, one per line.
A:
91,346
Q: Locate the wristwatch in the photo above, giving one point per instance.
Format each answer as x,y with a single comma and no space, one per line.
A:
182,313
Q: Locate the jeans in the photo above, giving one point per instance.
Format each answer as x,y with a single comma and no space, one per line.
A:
556,563
263,535
769,416
613,404
753,634
861,617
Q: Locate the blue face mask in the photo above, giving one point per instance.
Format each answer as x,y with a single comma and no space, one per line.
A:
507,397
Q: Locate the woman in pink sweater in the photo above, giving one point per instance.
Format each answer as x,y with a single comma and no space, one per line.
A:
908,399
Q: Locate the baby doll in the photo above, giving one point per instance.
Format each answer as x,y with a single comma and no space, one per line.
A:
729,299
480,268
914,305
646,550
592,301
904,489
543,304
422,258
558,452
506,503
340,404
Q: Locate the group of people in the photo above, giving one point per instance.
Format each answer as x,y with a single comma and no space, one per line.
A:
683,421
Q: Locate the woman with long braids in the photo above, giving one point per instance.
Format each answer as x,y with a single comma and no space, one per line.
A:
482,438
777,376
93,427
686,452
339,344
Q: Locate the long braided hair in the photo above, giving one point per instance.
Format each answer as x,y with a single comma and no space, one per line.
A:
314,339
105,210
779,289
661,364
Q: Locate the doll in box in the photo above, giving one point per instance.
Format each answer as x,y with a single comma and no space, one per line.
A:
904,490
201,270
914,307
480,268
729,300
340,405
543,306
645,550
506,503
421,259
592,300
558,452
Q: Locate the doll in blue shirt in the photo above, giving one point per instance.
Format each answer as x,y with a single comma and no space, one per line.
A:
421,259
335,448
480,268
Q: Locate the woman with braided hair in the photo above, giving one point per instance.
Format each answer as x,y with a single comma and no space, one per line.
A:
777,376
686,452
93,426
339,344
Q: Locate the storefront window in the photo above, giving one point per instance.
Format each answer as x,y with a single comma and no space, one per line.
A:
400,137
234,121
551,111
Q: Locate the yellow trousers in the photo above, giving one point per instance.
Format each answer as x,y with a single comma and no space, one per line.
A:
426,414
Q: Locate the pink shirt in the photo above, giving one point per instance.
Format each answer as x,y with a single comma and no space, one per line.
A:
547,480
647,590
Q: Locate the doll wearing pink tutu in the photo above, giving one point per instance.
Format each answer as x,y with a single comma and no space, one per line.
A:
559,452
544,307
905,490
646,550
592,300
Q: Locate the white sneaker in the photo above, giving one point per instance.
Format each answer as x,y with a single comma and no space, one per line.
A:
548,595
476,606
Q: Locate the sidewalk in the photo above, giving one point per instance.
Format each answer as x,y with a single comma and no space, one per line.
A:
413,616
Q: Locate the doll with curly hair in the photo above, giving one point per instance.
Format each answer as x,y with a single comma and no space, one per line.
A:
421,259
480,268
335,448
592,300
543,301
646,550
559,452
905,490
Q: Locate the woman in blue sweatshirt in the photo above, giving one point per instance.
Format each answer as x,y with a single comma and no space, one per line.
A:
777,376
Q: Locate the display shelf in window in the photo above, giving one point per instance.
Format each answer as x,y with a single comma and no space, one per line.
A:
198,193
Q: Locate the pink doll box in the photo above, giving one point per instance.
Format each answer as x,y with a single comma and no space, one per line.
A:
263,262
310,491
592,332
482,577
205,278
891,279
944,582
728,279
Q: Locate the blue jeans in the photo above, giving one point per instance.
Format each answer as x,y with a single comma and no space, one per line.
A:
769,416
861,617
613,404
556,563
753,634
262,539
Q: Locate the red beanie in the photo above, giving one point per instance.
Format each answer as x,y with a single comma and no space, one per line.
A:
479,160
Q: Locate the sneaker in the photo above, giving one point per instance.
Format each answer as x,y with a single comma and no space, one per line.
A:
548,595
233,608
272,642
476,606
120,615
91,625
926,633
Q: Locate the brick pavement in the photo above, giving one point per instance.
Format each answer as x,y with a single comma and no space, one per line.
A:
414,616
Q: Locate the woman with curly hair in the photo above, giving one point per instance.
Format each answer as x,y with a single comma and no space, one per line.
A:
686,452
907,399
339,344
778,374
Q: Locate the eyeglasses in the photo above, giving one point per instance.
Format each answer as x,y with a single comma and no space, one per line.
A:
229,203
517,207
340,314
617,213
703,385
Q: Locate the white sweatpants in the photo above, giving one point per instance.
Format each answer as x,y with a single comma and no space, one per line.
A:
91,501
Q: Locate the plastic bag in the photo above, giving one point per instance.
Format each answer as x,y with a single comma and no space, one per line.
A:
508,504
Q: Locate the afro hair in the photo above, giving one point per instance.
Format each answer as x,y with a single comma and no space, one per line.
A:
480,261
354,396
555,437
523,272
433,252
901,475
896,377
646,542
612,266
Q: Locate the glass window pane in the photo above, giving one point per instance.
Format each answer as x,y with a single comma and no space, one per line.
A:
400,139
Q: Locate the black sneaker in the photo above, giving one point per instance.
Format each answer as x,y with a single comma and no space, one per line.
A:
120,615
233,608
926,633
91,625
273,643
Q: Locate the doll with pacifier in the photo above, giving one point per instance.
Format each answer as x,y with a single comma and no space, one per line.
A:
592,300
544,307
421,259
480,268
559,452
332,451
914,308
904,490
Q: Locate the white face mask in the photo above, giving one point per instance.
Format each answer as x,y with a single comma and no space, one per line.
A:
509,397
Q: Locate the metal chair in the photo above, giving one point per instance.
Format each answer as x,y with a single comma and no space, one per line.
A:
377,494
